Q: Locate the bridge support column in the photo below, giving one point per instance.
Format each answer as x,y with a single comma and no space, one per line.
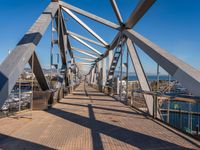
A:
92,76
95,76
110,57
140,74
98,75
103,73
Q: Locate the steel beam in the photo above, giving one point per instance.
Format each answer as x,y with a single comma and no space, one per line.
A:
66,39
62,43
116,10
85,26
37,70
112,45
83,63
138,13
85,38
14,64
87,45
141,75
90,15
110,58
188,76
84,52
86,59
69,47
115,41
92,77
62,37
103,72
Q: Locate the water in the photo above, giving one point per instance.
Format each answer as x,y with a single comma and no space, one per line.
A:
181,119
149,77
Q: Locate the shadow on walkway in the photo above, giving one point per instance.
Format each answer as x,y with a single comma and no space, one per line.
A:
133,138
94,99
11,143
103,108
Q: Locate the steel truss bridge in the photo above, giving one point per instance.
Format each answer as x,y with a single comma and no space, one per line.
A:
98,75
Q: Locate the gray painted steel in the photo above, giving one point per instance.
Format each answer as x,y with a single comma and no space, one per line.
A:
37,70
141,75
62,39
117,12
86,39
14,64
85,26
90,15
87,45
188,76
103,72
83,52
85,59
137,13
110,57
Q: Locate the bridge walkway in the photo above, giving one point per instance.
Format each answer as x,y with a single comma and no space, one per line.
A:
88,119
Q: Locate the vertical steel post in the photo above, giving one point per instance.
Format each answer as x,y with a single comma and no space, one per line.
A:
168,110
95,75
103,72
51,51
155,99
127,55
110,57
157,88
189,117
169,80
20,92
99,75
72,79
32,85
92,76
121,62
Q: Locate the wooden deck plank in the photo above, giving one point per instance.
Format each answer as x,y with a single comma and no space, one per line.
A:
88,120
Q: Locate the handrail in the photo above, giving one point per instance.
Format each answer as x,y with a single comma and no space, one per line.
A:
168,97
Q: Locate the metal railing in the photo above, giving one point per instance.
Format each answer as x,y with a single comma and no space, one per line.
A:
180,112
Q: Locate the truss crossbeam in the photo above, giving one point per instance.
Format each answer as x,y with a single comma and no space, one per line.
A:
188,76
90,15
14,64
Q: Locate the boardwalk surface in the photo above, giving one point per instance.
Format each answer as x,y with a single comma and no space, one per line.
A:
89,120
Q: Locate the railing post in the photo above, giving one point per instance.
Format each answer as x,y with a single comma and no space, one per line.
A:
168,110
127,65
155,106
121,69
132,96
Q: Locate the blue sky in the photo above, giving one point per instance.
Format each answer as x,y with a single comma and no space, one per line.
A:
171,24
